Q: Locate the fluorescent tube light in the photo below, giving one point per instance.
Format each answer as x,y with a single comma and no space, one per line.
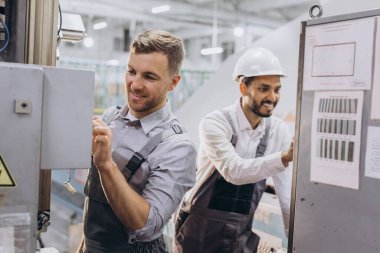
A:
160,9
211,50
100,25
112,62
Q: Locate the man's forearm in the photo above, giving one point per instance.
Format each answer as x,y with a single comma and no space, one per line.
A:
129,206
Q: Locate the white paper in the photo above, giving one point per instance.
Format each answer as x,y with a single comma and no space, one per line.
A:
7,240
372,159
338,56
375,111
335,138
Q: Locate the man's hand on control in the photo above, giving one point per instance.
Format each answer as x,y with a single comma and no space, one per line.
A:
101,142
287,156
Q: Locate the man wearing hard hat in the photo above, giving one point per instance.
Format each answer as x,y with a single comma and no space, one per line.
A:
240,146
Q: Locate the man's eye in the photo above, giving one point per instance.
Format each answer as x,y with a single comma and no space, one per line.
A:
148,77
131,72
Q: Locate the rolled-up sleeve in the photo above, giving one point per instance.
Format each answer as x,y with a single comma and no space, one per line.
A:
172,174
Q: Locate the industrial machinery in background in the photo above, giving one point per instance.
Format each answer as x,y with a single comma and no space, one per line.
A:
5,32
3,27
45,116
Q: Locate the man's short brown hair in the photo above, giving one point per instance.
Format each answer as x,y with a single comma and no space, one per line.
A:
163,42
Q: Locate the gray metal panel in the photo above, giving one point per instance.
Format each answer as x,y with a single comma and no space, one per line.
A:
329,218
68,103
20,142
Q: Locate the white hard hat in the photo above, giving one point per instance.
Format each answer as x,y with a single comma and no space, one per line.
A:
258,62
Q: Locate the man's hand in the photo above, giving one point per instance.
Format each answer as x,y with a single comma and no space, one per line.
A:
287,156
101,143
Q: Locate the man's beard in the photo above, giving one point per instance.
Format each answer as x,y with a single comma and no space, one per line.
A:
255,108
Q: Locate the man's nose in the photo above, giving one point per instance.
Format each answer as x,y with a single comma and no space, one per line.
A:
272,96
136,83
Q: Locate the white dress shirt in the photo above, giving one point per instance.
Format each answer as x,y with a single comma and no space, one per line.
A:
238,165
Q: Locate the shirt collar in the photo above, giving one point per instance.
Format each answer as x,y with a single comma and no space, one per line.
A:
243,122
150,121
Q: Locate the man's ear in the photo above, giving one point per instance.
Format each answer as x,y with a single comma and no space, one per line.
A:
174,83
243,89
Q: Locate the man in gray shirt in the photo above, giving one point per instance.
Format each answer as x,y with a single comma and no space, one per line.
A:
143,162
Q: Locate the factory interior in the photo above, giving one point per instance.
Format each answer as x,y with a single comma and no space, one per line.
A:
64,61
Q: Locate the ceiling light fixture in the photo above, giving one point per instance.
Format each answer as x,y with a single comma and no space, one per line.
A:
88,42
211,50
238,31
159,9
214,49
112,62
100,25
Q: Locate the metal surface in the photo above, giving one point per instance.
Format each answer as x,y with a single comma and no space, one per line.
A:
296,138
315,11
45,121
40,48
67,112
42,25
20,148
329,218
343,17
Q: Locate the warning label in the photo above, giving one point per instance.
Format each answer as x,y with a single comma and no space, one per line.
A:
6,179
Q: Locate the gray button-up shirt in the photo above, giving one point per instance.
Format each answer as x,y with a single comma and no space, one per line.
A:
167,173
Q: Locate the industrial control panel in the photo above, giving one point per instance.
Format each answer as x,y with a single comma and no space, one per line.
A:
45,123
20,125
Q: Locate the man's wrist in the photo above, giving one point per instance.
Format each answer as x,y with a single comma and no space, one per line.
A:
107,166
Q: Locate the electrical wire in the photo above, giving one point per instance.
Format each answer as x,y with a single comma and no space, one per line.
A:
7,35
60,20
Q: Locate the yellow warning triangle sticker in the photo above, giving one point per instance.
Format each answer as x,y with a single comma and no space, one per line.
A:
6,179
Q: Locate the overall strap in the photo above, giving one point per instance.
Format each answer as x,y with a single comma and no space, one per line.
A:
241,199
109,117
234,133
139,157
264,141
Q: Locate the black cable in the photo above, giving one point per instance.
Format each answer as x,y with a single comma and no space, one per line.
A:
42,244
60,19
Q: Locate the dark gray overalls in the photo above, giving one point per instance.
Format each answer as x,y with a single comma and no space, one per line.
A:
219,220
107,233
